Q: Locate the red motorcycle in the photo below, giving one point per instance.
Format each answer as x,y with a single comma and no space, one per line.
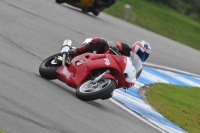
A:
94,76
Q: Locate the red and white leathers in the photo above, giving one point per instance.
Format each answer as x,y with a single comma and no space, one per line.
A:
99,45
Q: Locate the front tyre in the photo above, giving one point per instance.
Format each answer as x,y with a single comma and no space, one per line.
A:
48,67
88,91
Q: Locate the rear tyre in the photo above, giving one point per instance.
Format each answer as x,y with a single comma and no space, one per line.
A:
84,10
88,91
47,69
60,1
95,12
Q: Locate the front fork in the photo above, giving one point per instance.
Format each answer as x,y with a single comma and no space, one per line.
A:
106,74
64,59
100,76
65,49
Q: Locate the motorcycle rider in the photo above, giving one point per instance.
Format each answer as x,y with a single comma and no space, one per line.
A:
139,51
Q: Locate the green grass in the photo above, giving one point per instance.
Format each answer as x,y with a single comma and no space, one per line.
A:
180,105
1,131
159,19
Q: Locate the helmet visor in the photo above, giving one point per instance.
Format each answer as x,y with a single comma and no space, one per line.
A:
143,55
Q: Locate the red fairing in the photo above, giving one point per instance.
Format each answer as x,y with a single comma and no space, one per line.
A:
81,67
108,75
67,76
128,84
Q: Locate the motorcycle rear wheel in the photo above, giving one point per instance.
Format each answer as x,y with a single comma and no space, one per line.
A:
88,91
60,1
48,70
84,10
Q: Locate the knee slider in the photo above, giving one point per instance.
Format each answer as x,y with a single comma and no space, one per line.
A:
95,40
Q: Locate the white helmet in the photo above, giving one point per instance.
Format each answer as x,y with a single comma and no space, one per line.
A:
142,49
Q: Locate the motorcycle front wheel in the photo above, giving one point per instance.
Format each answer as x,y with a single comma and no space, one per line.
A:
48,67
103,89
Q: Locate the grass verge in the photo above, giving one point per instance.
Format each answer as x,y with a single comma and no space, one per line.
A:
159,19
178,104
1,131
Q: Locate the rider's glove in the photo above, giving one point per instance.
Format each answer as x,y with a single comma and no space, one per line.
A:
71,53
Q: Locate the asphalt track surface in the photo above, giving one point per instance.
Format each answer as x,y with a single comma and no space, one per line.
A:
32,30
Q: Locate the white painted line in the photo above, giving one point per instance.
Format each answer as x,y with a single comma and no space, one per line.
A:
138,116
138,85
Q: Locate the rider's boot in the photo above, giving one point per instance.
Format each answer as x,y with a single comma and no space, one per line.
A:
78,51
